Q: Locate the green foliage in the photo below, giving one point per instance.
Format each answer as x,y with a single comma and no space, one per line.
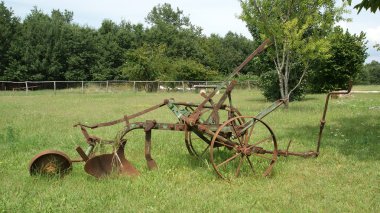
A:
371,73
226,53
297,30
268,83
171,28
348,53
373,5
51,47
152,63
145,63
8,27
377,47
82,52
192,70
38,51
254,79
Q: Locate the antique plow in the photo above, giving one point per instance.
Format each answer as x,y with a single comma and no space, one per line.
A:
236,144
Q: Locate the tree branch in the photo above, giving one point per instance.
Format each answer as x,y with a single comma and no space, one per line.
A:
299,82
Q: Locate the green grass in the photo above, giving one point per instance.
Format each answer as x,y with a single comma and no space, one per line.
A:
345,177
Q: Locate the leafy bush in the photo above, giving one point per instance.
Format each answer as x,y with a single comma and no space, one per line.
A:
151,63
348,53
254,79
192,70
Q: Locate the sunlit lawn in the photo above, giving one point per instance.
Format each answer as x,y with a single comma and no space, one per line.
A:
345,177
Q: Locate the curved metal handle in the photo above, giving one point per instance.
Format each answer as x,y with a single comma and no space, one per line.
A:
323,119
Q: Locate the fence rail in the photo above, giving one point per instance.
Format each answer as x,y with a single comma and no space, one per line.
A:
114,86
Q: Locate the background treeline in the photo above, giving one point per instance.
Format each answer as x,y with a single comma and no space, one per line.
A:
52,47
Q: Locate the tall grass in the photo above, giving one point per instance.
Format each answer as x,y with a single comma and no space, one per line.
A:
345,177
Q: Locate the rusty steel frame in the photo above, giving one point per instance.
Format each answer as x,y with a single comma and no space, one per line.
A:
235,133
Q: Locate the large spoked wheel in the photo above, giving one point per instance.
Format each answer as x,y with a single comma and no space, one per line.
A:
250,149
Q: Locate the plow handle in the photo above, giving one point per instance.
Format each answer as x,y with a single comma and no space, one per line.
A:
323,119
258,50
195,115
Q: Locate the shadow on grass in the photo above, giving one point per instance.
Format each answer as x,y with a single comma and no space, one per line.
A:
356,137
263,100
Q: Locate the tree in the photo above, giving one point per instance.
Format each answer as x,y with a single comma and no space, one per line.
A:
377,47
9,29
348,53
373,70
152,63
226,53
110,53
83,52
173,29
191,70
373,5
296,28
145,63
38,53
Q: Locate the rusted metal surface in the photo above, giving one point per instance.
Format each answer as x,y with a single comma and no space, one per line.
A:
50,163
244,147
106,164
236,144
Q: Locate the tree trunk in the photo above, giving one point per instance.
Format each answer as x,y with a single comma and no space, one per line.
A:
282,67
286,82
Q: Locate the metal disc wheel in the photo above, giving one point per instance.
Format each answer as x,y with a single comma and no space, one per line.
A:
50,163
251,148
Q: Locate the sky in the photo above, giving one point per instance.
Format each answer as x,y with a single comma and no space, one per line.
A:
213,16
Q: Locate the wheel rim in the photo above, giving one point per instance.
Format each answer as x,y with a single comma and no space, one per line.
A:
50,163
196,145
245,152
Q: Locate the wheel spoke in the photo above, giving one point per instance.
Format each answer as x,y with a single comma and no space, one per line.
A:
248,136
197,144
250,164
228,160
233,127
262,156
267,172
256,141
239,166
262,141
224,144
204,151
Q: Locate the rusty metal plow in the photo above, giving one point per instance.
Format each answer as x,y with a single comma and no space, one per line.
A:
236,144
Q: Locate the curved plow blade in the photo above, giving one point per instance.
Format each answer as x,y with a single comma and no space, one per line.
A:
106,164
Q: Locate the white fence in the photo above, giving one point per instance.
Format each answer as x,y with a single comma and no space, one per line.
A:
113,86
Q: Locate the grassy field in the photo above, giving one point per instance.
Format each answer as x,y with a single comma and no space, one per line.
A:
344,178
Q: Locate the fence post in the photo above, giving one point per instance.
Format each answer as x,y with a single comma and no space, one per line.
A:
82,87
249,85
55,87
107,87
183,86
158,86
134,86
26,87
